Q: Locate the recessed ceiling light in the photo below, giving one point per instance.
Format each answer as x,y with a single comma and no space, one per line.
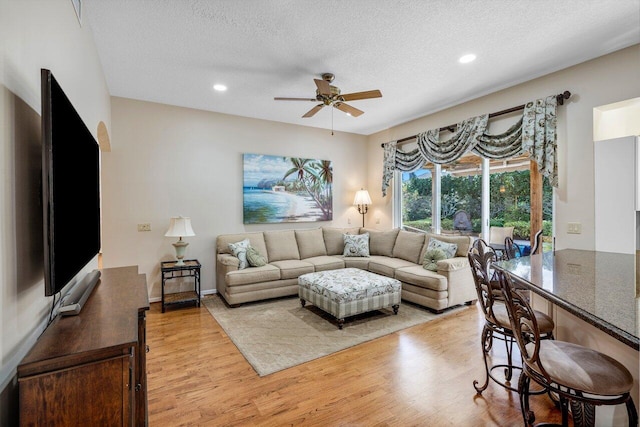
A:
465,59
219,87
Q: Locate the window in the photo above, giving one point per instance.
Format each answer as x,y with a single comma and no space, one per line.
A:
455,200
416,199
461,200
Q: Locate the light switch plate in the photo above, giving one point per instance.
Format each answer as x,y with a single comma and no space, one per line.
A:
574,228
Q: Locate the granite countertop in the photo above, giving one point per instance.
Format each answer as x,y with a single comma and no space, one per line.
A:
598,287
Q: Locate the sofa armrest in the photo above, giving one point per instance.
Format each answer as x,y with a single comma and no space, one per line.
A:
452,264
229,262
224,264
461,287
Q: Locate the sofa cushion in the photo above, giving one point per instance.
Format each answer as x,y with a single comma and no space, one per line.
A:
256,240
292,268
408,246
356,245
354,262
252,275
281,245
381,242
333,239
449,249
324,262
418,276
387,266
310,243
239,250
463,242
431,258
254,258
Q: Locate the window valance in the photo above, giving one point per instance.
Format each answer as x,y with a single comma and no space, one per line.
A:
534,133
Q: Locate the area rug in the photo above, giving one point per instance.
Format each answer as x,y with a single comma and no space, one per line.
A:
278,334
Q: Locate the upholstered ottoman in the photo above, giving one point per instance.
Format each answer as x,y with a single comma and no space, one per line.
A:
349,291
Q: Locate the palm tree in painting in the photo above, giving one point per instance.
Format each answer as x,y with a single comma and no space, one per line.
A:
315,178
325,179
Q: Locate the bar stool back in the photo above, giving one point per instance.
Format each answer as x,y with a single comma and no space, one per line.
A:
580,376
496,324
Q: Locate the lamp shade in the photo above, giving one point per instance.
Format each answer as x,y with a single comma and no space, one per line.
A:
180,226
362,198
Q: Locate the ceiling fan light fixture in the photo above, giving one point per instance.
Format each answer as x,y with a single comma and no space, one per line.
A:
465,59
219,87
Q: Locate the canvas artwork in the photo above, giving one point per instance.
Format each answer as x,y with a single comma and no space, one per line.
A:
286,189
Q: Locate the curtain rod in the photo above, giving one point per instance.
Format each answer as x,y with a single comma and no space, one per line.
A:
451,128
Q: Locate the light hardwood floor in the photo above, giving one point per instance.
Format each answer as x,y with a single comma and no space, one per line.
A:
421,376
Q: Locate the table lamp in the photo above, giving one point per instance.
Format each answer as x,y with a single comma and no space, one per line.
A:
180,227
362,200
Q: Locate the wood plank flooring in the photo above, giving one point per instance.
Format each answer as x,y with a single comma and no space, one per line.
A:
421,376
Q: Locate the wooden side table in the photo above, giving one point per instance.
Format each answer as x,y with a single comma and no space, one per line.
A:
170,270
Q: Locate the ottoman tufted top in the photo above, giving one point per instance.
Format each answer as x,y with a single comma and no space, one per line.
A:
348,284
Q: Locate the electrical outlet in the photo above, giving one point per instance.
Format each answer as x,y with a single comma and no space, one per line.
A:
144,227
574,228
377,220
349,221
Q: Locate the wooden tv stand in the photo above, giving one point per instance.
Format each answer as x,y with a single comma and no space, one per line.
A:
90,369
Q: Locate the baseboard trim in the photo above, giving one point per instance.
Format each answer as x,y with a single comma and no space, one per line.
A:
202,293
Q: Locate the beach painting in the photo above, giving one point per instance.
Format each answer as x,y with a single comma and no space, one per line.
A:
286,189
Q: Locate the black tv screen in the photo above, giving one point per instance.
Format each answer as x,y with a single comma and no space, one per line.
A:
70,188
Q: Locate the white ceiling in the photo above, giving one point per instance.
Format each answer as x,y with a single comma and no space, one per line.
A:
173,51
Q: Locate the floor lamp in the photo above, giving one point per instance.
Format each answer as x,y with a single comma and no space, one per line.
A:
362,200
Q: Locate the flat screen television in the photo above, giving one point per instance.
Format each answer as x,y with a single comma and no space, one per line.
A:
70,188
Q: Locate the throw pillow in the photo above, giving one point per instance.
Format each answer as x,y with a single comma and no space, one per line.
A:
448,248
431,258
356,245
239,250
254,258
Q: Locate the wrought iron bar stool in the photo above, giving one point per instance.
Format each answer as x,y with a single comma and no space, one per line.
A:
496,323
581,377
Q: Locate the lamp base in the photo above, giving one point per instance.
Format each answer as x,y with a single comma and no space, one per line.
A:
181,248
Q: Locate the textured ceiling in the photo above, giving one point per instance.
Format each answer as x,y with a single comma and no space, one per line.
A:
173,51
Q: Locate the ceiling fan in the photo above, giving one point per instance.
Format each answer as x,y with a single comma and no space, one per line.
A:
329,95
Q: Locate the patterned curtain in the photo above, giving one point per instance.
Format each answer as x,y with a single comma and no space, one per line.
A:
534,133
463,140
539,136
400,160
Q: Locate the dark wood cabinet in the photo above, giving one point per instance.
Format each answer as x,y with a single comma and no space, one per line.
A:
90,369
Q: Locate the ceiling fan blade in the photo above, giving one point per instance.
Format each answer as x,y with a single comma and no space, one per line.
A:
324,88
314,110
294,99
362,95
348,109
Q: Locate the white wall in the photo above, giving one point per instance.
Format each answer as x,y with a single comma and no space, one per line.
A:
167,161
608,79
33,35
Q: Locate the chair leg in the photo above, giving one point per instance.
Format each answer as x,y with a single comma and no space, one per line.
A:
564,409
486,343
631,411
584,413
508,371
523,391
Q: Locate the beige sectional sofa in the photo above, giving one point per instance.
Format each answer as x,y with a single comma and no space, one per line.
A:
396,253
